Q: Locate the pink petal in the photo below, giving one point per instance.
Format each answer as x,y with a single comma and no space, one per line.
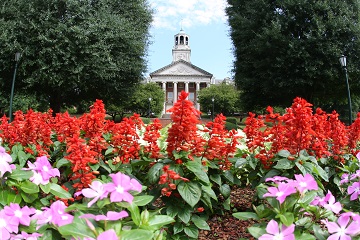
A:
272,227
89,193
332,227
343,221
288,230
353,228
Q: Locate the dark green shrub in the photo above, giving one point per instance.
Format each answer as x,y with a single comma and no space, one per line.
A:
232,120
229,126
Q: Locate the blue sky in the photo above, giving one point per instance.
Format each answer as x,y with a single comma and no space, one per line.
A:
206,23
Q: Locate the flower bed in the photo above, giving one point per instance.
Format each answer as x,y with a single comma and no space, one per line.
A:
91,178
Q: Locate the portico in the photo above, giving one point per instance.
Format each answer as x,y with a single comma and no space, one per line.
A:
181,75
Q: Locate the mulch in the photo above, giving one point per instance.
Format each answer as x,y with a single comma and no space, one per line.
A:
227,227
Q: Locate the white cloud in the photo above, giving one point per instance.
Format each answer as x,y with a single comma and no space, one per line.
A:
171,14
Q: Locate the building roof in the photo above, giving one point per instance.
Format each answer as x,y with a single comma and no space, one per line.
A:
180,67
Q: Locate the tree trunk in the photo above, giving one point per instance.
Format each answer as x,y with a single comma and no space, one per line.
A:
55,102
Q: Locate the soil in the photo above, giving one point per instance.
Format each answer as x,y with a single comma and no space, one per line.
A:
227,227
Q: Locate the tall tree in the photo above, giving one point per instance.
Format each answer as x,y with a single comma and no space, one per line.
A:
75,49
226,99
289,48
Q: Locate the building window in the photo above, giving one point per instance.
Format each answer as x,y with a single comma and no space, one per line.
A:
170,85
202,85
170,96
191,96
180,85
181,40
191,85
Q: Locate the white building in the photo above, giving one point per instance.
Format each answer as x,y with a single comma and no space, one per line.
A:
181,74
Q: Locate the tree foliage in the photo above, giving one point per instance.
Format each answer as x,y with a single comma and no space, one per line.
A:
74,50
226,99
139,102
285,49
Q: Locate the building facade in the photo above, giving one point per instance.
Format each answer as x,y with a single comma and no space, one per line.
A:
181,74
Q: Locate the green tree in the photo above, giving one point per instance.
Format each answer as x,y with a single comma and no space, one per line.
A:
285,49
226,99
74,50
140,103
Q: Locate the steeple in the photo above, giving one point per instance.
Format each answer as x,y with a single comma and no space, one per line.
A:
181,49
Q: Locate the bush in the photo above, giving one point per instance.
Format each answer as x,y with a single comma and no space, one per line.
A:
232,120
229,126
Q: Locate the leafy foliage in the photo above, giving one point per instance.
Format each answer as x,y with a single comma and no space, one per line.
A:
288,49
74,50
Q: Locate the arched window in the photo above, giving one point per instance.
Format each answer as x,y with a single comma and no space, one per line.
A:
181,39
187,41
176,40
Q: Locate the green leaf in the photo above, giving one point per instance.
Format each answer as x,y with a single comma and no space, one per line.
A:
308,198
154,173
225,190
287,218
208,190
240,163
142,200
321,172
23,157
216,178
59,191
172,210
109,151
29,198
319,233
199,222
45,188
245,215
178,227
20,175
229,176
78,228
284,164
191,231
304,236
29,187
13,198
158,221
135,213
197,169
284,153
136,234
256,232
185,214
62,162
190,192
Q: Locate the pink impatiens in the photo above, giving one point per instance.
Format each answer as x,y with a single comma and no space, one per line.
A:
273,232
118,189
342,229
42,170
5,159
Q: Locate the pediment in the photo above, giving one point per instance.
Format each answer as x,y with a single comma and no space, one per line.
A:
181,68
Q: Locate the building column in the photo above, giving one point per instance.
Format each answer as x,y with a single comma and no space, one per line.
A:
187,88
164,104
197,99
175,92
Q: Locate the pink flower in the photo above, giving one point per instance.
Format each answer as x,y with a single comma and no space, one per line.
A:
342,230
5,159
55,214
6,226
281,192
96,191
273,233
108,235
119,188
43,171
305,183
354,190
111,216
331,204
18,214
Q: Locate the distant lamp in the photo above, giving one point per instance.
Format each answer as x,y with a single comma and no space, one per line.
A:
17,58
150,106
212,113
342,60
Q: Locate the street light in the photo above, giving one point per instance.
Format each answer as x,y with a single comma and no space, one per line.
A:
150,106
212,113
343,64
17,58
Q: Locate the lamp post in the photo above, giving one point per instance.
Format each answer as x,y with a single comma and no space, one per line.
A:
343,64
212,113
150,106
17,58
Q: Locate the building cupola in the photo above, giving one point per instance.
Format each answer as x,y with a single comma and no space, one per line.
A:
181,49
